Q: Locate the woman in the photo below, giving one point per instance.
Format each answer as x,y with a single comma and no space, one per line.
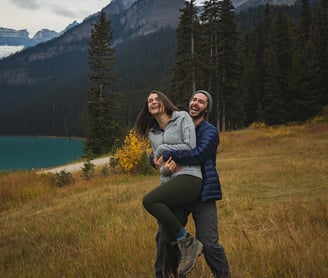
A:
170,129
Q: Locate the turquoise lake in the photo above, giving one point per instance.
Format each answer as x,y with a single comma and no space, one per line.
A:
27,153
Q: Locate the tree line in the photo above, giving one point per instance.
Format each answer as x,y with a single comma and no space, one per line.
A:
275,73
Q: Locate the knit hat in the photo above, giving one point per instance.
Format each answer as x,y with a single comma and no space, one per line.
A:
209,99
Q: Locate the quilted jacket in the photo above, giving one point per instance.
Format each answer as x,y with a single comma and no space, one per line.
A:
205,155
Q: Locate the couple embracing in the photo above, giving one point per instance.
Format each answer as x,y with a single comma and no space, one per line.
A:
184,151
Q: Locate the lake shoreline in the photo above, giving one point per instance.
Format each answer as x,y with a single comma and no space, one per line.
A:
75,166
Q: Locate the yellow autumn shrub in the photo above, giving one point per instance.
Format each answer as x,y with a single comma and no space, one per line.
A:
133,154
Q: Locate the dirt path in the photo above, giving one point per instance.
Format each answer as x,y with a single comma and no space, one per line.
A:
75,167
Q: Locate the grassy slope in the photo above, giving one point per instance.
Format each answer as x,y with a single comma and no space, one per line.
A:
273,217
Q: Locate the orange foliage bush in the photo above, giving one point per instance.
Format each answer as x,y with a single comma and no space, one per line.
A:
131,155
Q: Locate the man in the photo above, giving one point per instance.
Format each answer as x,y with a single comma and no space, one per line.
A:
204,211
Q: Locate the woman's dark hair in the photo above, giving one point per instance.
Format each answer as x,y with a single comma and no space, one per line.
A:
145,120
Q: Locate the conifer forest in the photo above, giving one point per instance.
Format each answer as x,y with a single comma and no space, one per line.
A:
262,64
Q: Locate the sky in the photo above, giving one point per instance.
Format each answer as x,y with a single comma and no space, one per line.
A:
55,15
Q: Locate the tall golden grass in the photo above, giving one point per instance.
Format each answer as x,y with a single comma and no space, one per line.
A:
273,216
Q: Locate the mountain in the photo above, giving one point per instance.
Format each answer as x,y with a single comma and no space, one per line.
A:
145,17
42,88
69,26
118,6
13,37
43,36
12,40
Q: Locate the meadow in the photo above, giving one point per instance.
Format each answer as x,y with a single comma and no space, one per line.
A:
273,218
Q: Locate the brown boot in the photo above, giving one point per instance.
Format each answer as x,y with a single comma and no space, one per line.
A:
190,249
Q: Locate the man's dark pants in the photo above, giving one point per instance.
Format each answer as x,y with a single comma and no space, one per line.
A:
206,223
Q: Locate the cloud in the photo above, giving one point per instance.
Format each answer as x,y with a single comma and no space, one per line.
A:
63,11
35,15
74,10
31,4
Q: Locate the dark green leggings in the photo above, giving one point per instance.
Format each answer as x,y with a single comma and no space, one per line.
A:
165,200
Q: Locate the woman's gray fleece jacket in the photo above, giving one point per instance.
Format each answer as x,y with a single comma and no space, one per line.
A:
179,134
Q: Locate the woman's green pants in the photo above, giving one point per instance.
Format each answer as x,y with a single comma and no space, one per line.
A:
164,201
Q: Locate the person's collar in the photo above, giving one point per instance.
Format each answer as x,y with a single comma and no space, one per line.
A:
198,121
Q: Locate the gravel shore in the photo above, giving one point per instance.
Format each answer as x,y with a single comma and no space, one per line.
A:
75,167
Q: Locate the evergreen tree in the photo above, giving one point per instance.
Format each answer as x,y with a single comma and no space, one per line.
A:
264,44
248,81
230,98
183,81
304,84
102,121
305,25
209,53
254,67
282,48
321,49
273,110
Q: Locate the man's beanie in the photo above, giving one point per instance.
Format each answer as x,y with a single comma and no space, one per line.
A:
209,99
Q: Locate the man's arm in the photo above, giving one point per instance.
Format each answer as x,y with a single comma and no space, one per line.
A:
207,143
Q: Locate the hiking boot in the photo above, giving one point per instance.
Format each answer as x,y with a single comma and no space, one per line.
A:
190,248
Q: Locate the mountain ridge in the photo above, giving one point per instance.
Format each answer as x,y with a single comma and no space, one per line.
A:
19,39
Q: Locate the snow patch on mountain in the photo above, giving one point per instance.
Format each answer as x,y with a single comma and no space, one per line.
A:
6,50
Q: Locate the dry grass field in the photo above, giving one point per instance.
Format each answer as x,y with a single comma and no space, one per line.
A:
273,216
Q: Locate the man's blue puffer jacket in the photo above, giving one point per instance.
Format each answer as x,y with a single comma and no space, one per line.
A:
205,155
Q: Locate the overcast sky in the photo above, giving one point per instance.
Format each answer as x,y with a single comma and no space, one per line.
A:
35,15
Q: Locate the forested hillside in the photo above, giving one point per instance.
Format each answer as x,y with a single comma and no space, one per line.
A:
281,66
142,63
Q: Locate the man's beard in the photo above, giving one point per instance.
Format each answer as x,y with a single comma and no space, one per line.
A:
199,115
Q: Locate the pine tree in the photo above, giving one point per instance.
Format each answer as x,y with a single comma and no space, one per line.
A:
304,84
253,80
249,84
264,43
102,122
321,49
305,25
208,48
277,71
273,110
183,81
230,98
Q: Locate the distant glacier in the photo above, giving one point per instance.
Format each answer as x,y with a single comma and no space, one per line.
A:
6,50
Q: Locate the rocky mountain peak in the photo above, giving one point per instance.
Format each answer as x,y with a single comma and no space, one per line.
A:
148,16
13,37
44,35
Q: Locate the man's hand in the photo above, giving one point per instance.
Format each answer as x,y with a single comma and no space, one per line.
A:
170,166
158,161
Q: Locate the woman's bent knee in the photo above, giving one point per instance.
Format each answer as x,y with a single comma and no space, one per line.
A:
146,202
